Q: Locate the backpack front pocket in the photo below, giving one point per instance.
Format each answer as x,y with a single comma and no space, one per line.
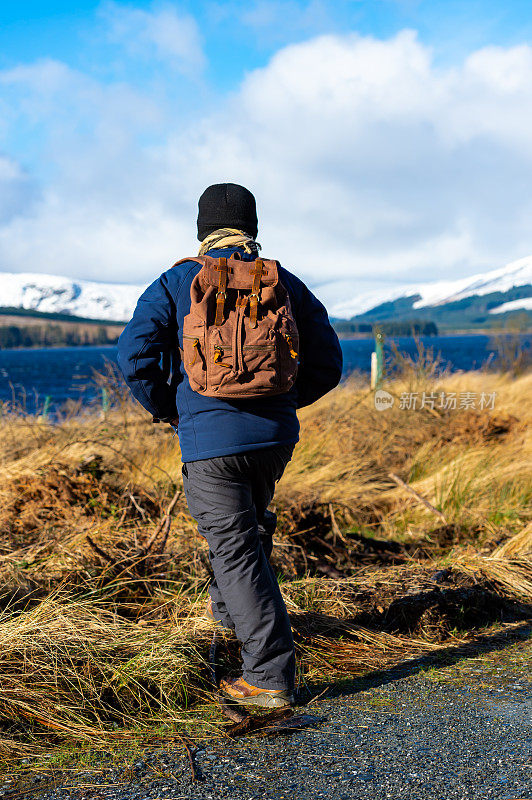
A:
220,357
261,368
220,366
194,352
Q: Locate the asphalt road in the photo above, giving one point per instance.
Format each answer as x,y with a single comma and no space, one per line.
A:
461,731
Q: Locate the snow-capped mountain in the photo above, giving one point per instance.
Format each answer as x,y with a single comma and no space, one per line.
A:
439,293
116,301
51,293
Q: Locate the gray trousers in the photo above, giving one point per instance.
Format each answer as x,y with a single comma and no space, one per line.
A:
228,496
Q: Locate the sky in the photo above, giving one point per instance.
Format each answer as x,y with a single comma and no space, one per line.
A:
386,142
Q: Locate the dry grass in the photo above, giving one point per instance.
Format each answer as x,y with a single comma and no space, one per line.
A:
73,667
102,638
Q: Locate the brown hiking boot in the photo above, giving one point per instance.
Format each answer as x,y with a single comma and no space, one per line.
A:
241,691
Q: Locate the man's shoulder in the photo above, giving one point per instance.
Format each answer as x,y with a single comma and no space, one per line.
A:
300,294
183,266
290,280
175,275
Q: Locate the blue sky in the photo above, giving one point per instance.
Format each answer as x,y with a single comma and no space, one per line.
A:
391,138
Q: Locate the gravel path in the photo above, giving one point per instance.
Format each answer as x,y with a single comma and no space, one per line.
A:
460,731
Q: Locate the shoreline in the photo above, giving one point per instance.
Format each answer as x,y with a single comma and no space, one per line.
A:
441,334
343,338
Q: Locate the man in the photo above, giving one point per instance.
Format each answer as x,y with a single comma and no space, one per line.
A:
234,448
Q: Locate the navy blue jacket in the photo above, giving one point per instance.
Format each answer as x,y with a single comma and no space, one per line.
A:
148,355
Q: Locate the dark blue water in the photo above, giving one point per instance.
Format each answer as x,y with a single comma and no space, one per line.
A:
67,373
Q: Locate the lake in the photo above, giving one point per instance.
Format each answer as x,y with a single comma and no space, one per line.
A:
29,375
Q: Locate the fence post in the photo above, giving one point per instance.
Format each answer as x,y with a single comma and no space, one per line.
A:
377,360
46,407
105,402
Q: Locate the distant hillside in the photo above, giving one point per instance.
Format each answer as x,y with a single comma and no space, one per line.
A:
20,328
489,301
30,315
470,313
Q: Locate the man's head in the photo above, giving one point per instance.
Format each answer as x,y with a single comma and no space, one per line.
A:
227,205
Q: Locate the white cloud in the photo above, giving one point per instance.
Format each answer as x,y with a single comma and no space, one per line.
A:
95,214
17,191
369,159
272,23
162,33
370,164
274,19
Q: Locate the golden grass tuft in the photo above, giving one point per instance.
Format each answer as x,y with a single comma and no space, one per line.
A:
518,545
77,669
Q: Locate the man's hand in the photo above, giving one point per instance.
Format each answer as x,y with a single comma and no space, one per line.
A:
174,422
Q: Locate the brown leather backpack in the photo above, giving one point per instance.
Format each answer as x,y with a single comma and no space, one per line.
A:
240,338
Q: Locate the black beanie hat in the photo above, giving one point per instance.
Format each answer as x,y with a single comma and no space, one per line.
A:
227,205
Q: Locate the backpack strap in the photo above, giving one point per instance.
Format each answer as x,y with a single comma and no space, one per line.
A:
200,260
256,271
221,294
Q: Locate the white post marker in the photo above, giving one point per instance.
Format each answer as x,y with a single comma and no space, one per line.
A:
373,383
